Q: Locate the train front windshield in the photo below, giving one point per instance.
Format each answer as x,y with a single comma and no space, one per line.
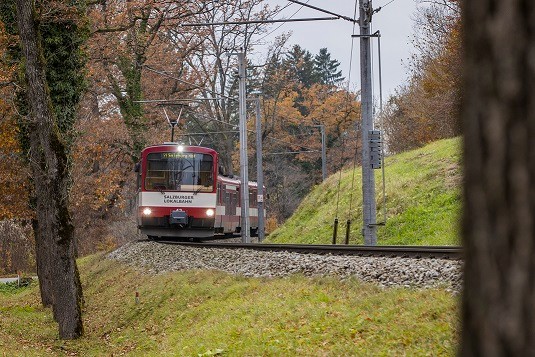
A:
179,171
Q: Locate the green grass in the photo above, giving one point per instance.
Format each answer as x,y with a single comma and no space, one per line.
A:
423,202
203,313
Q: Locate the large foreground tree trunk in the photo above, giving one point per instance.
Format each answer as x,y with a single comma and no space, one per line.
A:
49,164
499,214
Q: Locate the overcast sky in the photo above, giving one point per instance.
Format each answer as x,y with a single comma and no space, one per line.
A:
394,21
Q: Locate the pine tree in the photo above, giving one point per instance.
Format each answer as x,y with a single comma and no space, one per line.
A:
326,69
300,66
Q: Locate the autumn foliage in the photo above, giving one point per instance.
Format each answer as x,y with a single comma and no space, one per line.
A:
137,51
427,107
13,171
16,243
296,103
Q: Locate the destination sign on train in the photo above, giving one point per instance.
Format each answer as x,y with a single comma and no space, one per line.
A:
177,155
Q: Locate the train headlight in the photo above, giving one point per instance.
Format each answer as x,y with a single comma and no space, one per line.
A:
210,212
147,211
180,148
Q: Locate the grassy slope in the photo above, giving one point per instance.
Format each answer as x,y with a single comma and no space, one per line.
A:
205,313
423,202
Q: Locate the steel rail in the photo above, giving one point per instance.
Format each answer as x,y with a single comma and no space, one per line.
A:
443,252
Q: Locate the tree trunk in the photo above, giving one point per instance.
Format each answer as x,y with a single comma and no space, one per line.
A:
43,257
499,150
56,262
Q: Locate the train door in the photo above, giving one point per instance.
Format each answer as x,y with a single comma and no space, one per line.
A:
253,211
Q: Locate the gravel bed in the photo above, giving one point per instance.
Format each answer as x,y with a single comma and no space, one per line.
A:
408,272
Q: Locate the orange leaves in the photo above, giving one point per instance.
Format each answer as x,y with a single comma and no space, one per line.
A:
326,105
101,162
14,184
427,108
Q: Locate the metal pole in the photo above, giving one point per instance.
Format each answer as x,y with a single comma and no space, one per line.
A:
259,173
244,165
368,179
335,230
323,154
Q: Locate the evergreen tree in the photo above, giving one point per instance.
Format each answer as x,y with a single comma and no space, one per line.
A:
299,64
271,82
326,69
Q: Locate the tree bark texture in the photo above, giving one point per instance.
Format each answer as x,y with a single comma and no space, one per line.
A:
56,262
499,150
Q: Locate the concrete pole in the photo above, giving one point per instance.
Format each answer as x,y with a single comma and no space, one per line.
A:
244,164
259,173
369,227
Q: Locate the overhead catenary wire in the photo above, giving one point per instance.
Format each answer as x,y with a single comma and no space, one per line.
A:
343,141
278,27
254,132
249,22
353,20
268,21
383,6
189,83
177,101
222,96
209,133
290,152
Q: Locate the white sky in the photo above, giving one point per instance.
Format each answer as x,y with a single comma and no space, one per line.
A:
394,21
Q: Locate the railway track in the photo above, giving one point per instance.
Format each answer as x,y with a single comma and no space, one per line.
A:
443,252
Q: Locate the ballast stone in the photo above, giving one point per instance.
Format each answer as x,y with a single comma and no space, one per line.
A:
385,271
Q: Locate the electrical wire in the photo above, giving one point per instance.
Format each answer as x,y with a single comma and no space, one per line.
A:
162,73
253,132
290,152
278,27
223,96
382,7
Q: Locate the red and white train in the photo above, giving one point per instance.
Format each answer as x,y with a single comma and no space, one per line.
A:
181,194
